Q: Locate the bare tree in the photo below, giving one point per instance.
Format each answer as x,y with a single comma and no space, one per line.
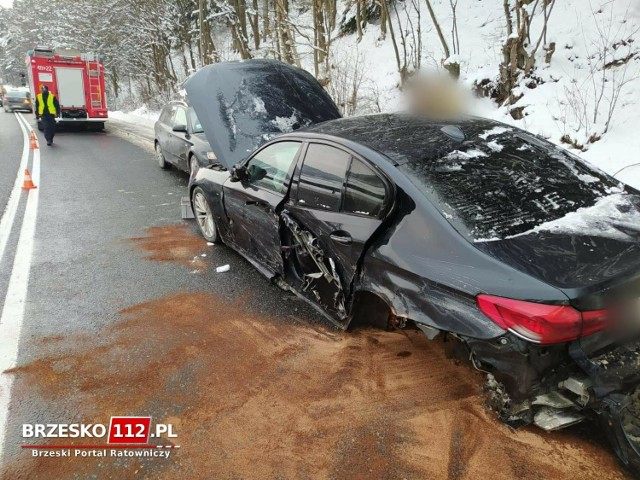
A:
519,51
345,80
589,106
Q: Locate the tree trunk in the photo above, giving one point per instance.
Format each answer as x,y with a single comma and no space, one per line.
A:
402,69
287,43
359,19
383,19
201,44
255,24
266,28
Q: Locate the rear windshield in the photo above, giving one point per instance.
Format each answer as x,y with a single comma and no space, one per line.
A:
505,182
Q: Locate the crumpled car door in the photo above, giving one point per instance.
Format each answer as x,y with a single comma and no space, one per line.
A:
340,203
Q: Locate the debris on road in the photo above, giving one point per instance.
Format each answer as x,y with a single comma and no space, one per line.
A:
186,210
223,268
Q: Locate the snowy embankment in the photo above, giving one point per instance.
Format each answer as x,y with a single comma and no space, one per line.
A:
596,65
140,116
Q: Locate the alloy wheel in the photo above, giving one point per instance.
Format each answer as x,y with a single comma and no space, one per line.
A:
204,216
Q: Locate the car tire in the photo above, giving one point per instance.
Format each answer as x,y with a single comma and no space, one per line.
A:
193,164
204,216
160,157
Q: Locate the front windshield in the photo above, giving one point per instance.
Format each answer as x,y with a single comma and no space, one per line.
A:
195,123
17,94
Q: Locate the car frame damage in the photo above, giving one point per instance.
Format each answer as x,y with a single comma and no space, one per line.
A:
303,246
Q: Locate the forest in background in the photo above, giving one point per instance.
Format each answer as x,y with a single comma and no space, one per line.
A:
151,46
566,69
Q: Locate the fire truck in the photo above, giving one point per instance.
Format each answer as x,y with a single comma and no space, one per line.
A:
75,78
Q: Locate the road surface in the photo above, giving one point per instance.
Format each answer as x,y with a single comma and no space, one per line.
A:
112,306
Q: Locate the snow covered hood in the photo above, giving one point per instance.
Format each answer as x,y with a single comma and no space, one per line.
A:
241,105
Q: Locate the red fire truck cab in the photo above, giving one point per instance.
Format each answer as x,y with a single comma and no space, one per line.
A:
77,80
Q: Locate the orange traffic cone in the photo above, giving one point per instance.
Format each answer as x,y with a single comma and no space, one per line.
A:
33,141
28,183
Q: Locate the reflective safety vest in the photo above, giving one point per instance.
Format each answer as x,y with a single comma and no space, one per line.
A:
51,108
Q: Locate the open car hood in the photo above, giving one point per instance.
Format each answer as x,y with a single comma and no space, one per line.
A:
241,105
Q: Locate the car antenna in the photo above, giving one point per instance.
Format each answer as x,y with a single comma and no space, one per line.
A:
454,132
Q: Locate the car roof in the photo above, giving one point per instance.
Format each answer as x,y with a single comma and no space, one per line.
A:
393,135
178,103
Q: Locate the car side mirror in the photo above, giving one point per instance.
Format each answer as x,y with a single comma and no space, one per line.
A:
238,174
180,128
256,173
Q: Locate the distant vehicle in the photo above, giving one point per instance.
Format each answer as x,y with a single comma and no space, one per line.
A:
17,100
474,229
180,140
75,78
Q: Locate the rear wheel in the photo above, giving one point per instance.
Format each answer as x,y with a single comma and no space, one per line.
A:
160,157
371,310
204,216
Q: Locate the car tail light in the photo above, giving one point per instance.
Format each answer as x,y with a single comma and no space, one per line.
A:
539,322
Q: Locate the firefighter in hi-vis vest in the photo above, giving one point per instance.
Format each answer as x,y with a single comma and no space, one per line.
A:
48,109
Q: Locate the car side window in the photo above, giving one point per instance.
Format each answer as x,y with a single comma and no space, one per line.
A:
180,117
322,177
167,115
270,168
365,191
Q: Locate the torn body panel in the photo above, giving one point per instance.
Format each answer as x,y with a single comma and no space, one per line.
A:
310,271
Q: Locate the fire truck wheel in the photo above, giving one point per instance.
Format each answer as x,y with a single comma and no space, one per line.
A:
160,156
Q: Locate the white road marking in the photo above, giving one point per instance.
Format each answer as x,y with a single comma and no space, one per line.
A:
6,223
15,301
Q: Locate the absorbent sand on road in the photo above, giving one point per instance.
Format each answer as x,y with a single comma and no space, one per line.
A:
254,395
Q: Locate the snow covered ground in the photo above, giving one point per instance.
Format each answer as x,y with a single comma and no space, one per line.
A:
571,98
566,100
141,116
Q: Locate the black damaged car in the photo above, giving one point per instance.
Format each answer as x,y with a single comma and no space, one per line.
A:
518,249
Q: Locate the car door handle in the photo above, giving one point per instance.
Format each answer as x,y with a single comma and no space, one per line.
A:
257,203
341,237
